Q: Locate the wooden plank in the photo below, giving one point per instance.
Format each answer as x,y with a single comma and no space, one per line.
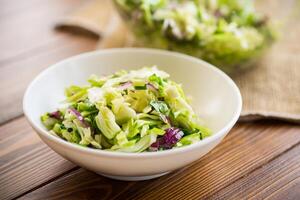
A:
27,28
279,179
81,184
25,161
15,77
289,192
246,148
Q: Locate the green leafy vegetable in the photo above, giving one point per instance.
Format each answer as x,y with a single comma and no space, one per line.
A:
227,33
106,122
136,111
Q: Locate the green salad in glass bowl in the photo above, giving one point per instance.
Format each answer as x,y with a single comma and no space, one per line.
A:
227,33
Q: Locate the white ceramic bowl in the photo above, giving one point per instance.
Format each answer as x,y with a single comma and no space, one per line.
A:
215,98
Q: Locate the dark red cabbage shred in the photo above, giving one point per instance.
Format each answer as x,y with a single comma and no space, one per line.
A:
56,115
169,139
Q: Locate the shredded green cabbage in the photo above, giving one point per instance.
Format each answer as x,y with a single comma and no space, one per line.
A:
135,111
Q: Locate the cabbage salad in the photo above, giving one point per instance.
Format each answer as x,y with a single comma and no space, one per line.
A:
135,111
226,33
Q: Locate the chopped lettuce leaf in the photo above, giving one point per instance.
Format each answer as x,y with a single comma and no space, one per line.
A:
188,140
106,122
76,93
143,144
122,111
140,110
96,81
48,121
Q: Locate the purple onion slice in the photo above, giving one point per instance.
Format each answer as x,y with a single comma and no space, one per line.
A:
151,87
125,85
78,116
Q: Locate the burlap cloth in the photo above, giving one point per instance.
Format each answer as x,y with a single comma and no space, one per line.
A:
271,89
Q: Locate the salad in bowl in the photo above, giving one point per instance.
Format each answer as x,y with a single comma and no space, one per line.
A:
227,33
135,111
133,125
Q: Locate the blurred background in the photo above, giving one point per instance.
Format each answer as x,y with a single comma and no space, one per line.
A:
38,33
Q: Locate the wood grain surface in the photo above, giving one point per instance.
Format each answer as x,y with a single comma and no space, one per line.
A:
26,162
261,184
243,152
28,41
255,161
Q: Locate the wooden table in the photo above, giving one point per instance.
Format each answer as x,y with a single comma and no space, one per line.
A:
256,160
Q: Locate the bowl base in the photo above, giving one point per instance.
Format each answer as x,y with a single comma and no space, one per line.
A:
133,178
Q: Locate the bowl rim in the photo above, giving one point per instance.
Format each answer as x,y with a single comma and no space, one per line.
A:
104,153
